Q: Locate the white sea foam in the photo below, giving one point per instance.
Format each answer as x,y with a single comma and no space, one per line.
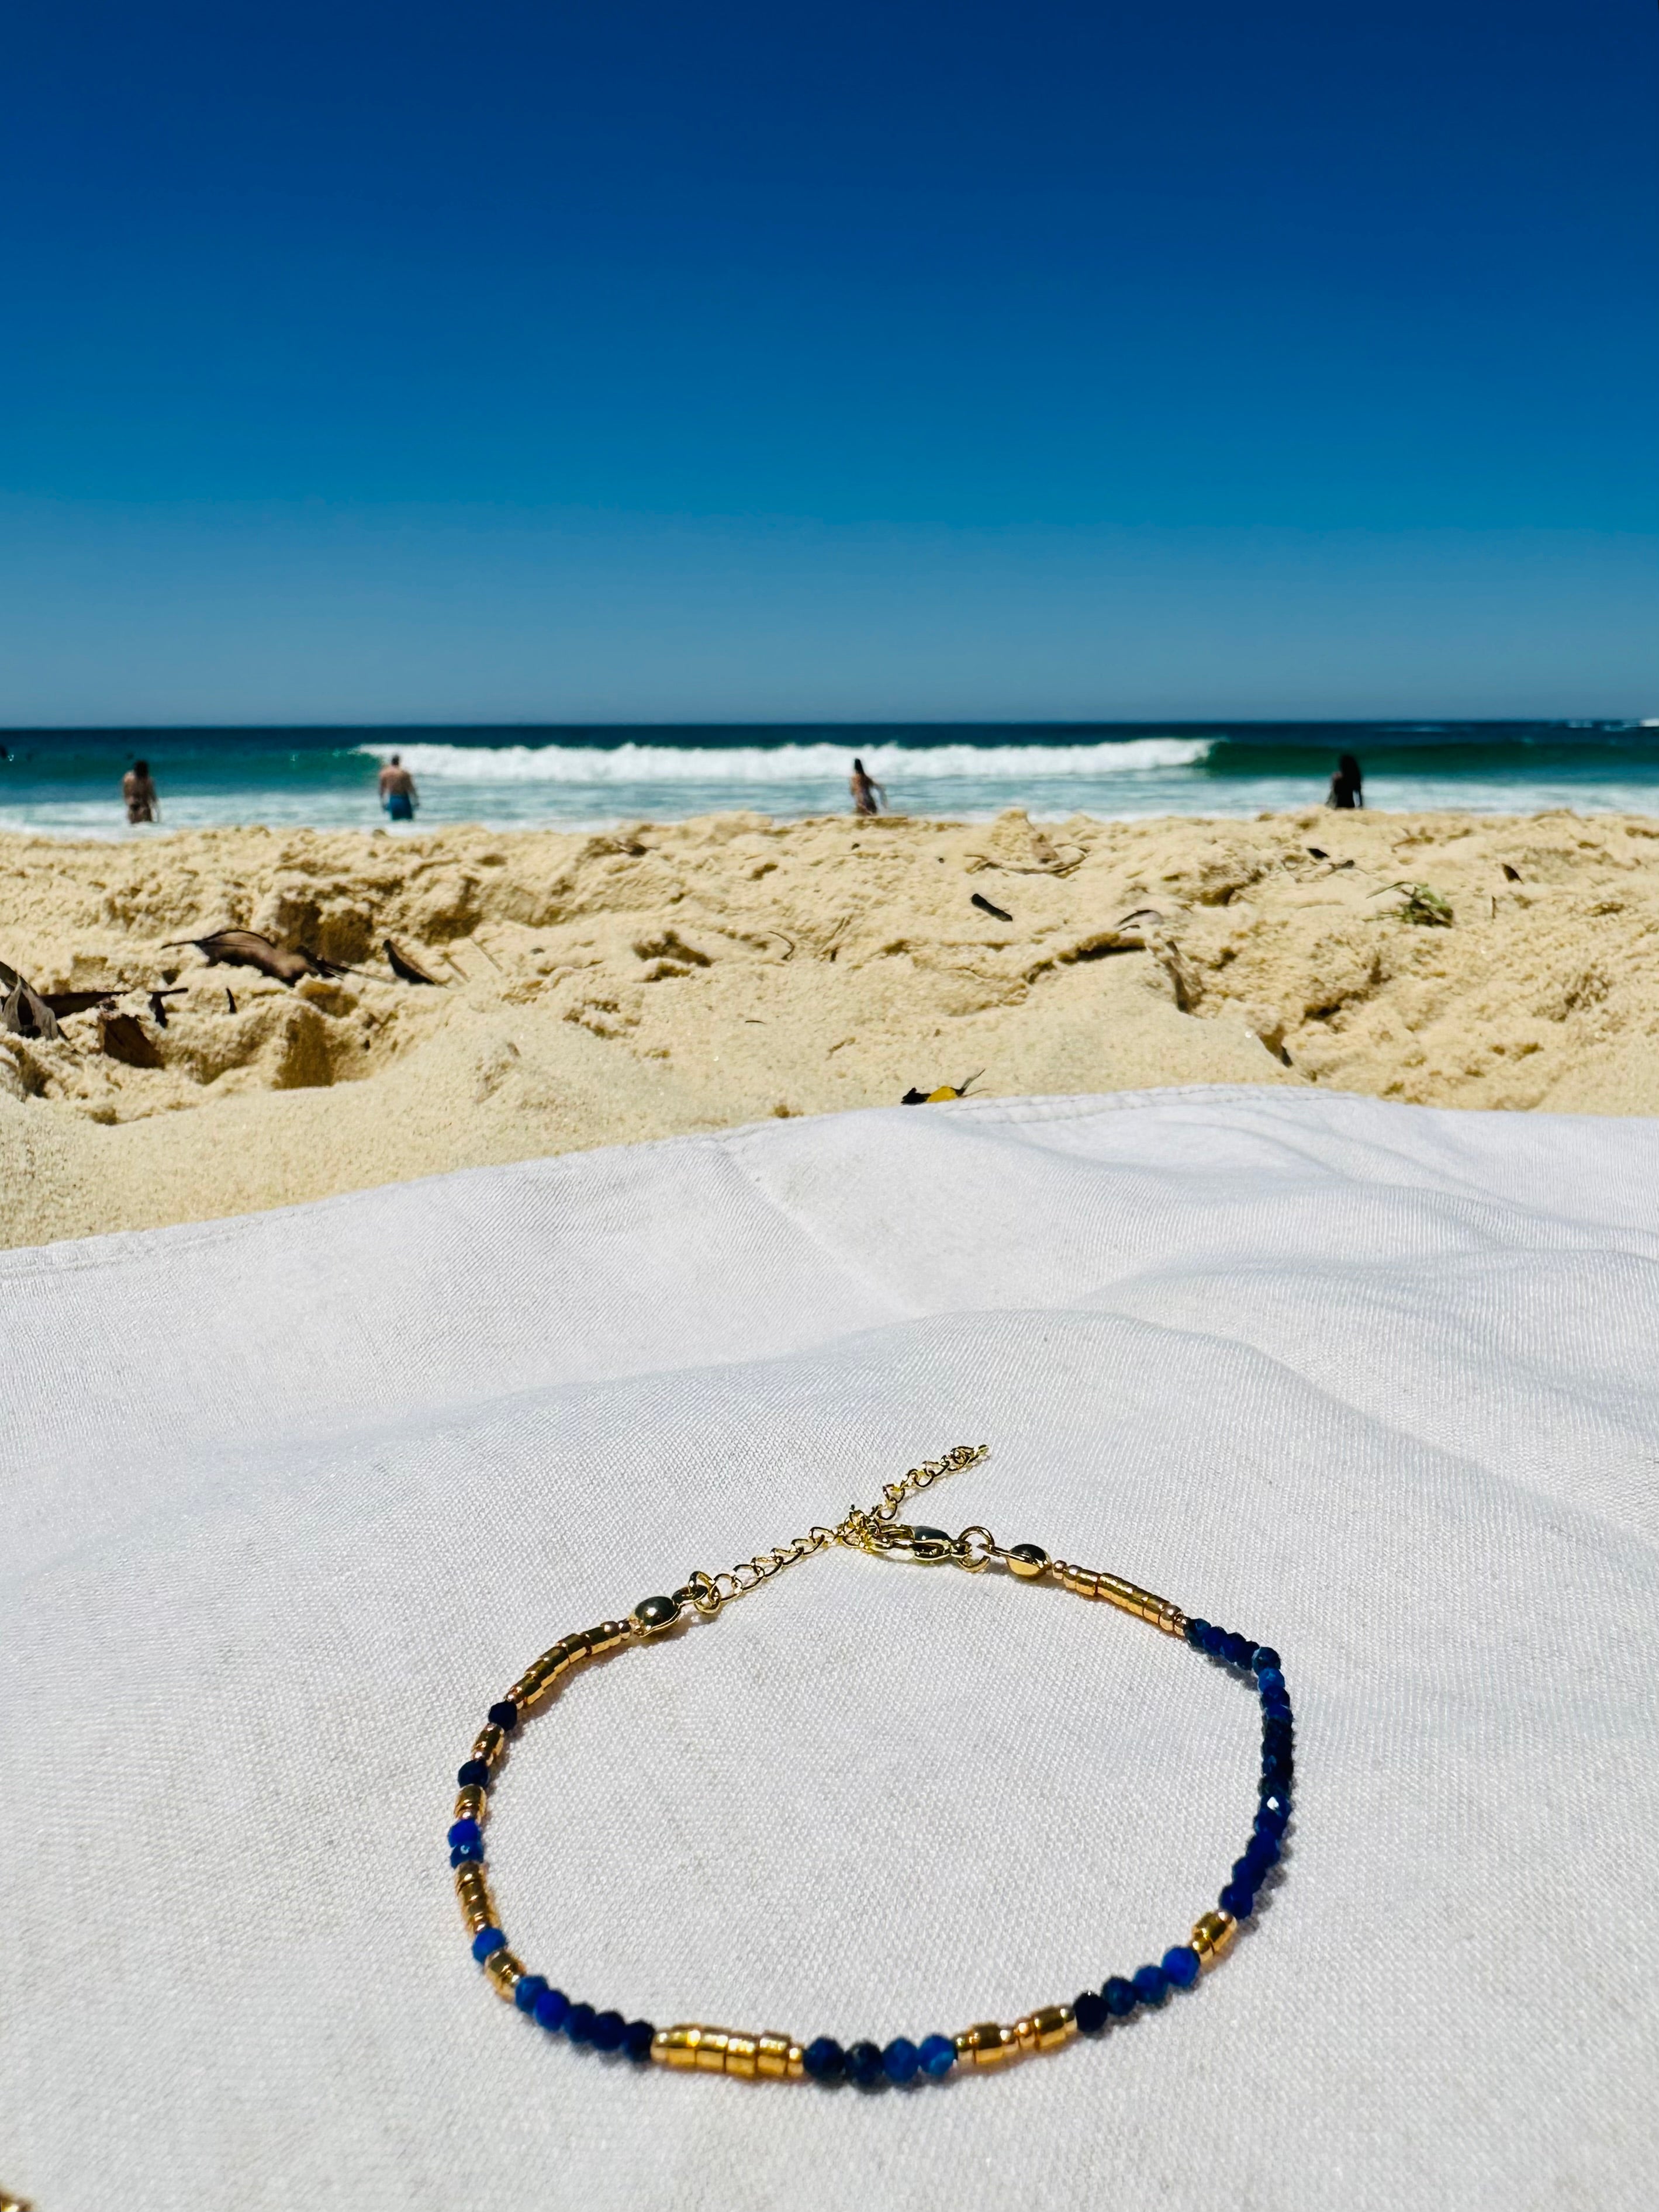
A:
631,764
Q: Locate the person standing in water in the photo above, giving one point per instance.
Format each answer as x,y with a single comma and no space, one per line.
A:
1347,784
138,790
398,794
868,795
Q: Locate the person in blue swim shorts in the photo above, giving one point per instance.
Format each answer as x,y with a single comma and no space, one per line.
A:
398,794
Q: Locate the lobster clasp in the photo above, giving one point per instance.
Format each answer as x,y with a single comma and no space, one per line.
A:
900,1542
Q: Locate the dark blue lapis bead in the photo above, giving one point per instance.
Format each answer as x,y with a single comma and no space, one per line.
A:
1120,1997
1196,1633
1214,1642
475,1775
529,1987
1263,1658
1238,1899
465,1832
1276,1801
1264,1848
487,1942
1276,1705
1151,1984
1239,1649
504,1716
1180,1966
1278,1766
938,2055
637,2040
901,2060
552,2010
865,2067
1090,2013
607,2031
1280,1741
1271,1824
579,2023
463,1852
1268,1678
824,2059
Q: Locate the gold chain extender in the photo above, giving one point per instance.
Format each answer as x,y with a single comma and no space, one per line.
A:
877,1531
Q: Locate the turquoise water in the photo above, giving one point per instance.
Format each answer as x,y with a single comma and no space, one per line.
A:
67,782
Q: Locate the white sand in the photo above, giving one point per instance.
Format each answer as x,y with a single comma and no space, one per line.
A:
603,989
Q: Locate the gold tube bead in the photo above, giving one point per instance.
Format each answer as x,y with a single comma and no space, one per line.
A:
779,2059
607,1636
742,2055
472,1803
504,1970
673,2046
1053,2026
13,2204
989,2044
711,2049
1211,1934
488,1743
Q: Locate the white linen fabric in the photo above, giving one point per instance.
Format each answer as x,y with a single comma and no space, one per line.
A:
291,1498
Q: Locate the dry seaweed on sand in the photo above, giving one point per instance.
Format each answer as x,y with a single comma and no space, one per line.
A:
122,1037
406,969
986,907
246,948
23,1011
1423,906
65,1003
158,1004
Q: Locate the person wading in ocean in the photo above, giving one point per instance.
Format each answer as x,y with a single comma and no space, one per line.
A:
1347,784
868,795
138,790
398,794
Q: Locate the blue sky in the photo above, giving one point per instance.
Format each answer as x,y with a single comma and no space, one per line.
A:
534,362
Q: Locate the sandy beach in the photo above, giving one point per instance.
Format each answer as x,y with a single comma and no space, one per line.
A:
601,989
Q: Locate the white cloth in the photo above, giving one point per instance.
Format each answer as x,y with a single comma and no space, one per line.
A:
291,1498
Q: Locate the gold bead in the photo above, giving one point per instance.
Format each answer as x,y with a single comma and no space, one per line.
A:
472,1803
487,1745
504,1970
772,2057
13,2204
1054,2026
711,2049
673,2046
989,2044
1027,1561
742,2055
1213,1934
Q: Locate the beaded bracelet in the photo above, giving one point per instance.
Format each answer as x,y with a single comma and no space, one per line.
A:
870,2066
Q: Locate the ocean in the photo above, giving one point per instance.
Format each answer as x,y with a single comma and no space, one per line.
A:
67,782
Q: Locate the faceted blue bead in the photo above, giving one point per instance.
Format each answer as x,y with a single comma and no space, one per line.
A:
1277,1707
1260,1857
1268,1678
865,2067
1151,1984
1270,1823
1121,1996
1239,1649
608,2030
474,1775
1244,1875
504,1716
1181,1965
824,2059
486,1943
1215,1642
1276,1801
1265,1657
637,2040
579,2023
901,2060
552,2010
1196,1633
1277,1766
1090,2013
530,1987
465,1832
462,1852
938,2055
1238,1900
